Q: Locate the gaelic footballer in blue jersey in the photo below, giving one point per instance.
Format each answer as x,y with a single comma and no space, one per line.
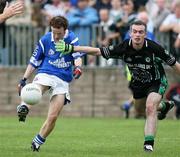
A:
54,72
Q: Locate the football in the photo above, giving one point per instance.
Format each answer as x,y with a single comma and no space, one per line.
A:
31,94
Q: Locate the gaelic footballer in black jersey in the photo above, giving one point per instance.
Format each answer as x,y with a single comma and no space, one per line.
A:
144,59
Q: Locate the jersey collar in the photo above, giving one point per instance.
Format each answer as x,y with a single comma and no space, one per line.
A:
65,36
145,43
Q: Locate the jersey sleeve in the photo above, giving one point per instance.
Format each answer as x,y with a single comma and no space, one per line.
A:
165,55
37,55
75,42
111,51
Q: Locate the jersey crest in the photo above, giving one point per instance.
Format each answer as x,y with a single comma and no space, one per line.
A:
51,52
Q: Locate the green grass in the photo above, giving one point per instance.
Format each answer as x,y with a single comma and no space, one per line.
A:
83,137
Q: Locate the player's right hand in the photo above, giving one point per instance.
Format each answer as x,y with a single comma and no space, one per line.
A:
77,72
63,48
21,84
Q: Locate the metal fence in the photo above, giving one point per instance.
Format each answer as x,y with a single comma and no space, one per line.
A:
17,44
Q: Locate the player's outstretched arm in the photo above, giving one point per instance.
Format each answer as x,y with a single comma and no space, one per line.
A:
64,48
176,67
29,70
89,50
11,10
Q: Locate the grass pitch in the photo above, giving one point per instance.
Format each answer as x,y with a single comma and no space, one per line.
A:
85,137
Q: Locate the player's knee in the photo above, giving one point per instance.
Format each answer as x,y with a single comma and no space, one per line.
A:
150,109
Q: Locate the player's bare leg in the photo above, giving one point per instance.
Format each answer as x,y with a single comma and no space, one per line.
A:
152,104
55,107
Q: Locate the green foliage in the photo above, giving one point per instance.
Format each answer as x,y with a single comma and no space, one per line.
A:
85,137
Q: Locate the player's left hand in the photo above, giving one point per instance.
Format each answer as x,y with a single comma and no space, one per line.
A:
77,72
63,48
21,84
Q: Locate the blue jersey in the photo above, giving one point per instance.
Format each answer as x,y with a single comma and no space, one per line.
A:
48,60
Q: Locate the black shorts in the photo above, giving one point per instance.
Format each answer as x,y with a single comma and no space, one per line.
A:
157,87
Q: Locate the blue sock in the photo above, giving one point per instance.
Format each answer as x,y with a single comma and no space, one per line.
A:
39,139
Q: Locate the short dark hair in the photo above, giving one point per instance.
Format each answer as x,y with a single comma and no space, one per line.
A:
138,22
2,5
58,22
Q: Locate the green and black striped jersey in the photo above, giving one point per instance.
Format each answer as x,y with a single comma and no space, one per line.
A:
145,65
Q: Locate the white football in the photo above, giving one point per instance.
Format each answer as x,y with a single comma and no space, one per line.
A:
31,94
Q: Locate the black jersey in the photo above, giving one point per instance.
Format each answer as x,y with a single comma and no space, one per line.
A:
145,64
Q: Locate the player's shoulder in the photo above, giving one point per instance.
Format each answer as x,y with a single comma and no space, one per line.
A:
70,37
46,37
125,43
69,34
152,44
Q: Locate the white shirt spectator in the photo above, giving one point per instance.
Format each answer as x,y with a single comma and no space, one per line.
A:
54,10
171,19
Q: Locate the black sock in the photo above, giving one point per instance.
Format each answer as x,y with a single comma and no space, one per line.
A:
149,143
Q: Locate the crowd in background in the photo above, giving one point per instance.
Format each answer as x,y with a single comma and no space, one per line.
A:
113,16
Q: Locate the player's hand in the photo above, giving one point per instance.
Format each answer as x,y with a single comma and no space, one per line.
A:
21,84
63,48
77,72
13,9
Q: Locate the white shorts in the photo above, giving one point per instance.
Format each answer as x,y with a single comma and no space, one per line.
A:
57,86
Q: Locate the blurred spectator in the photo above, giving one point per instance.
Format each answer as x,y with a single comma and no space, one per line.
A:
80,20
151,8
139,4
92,3
8,11
171,24
24,18
102,4
160,14
172,5
105,23
2,25
55,9
174,94
19,23
73,2
37,17
67,6
116,14
2,33
82,15
116,10
40,1
122,25
143,16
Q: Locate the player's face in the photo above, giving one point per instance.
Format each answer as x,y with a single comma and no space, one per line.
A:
138,34
58,33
